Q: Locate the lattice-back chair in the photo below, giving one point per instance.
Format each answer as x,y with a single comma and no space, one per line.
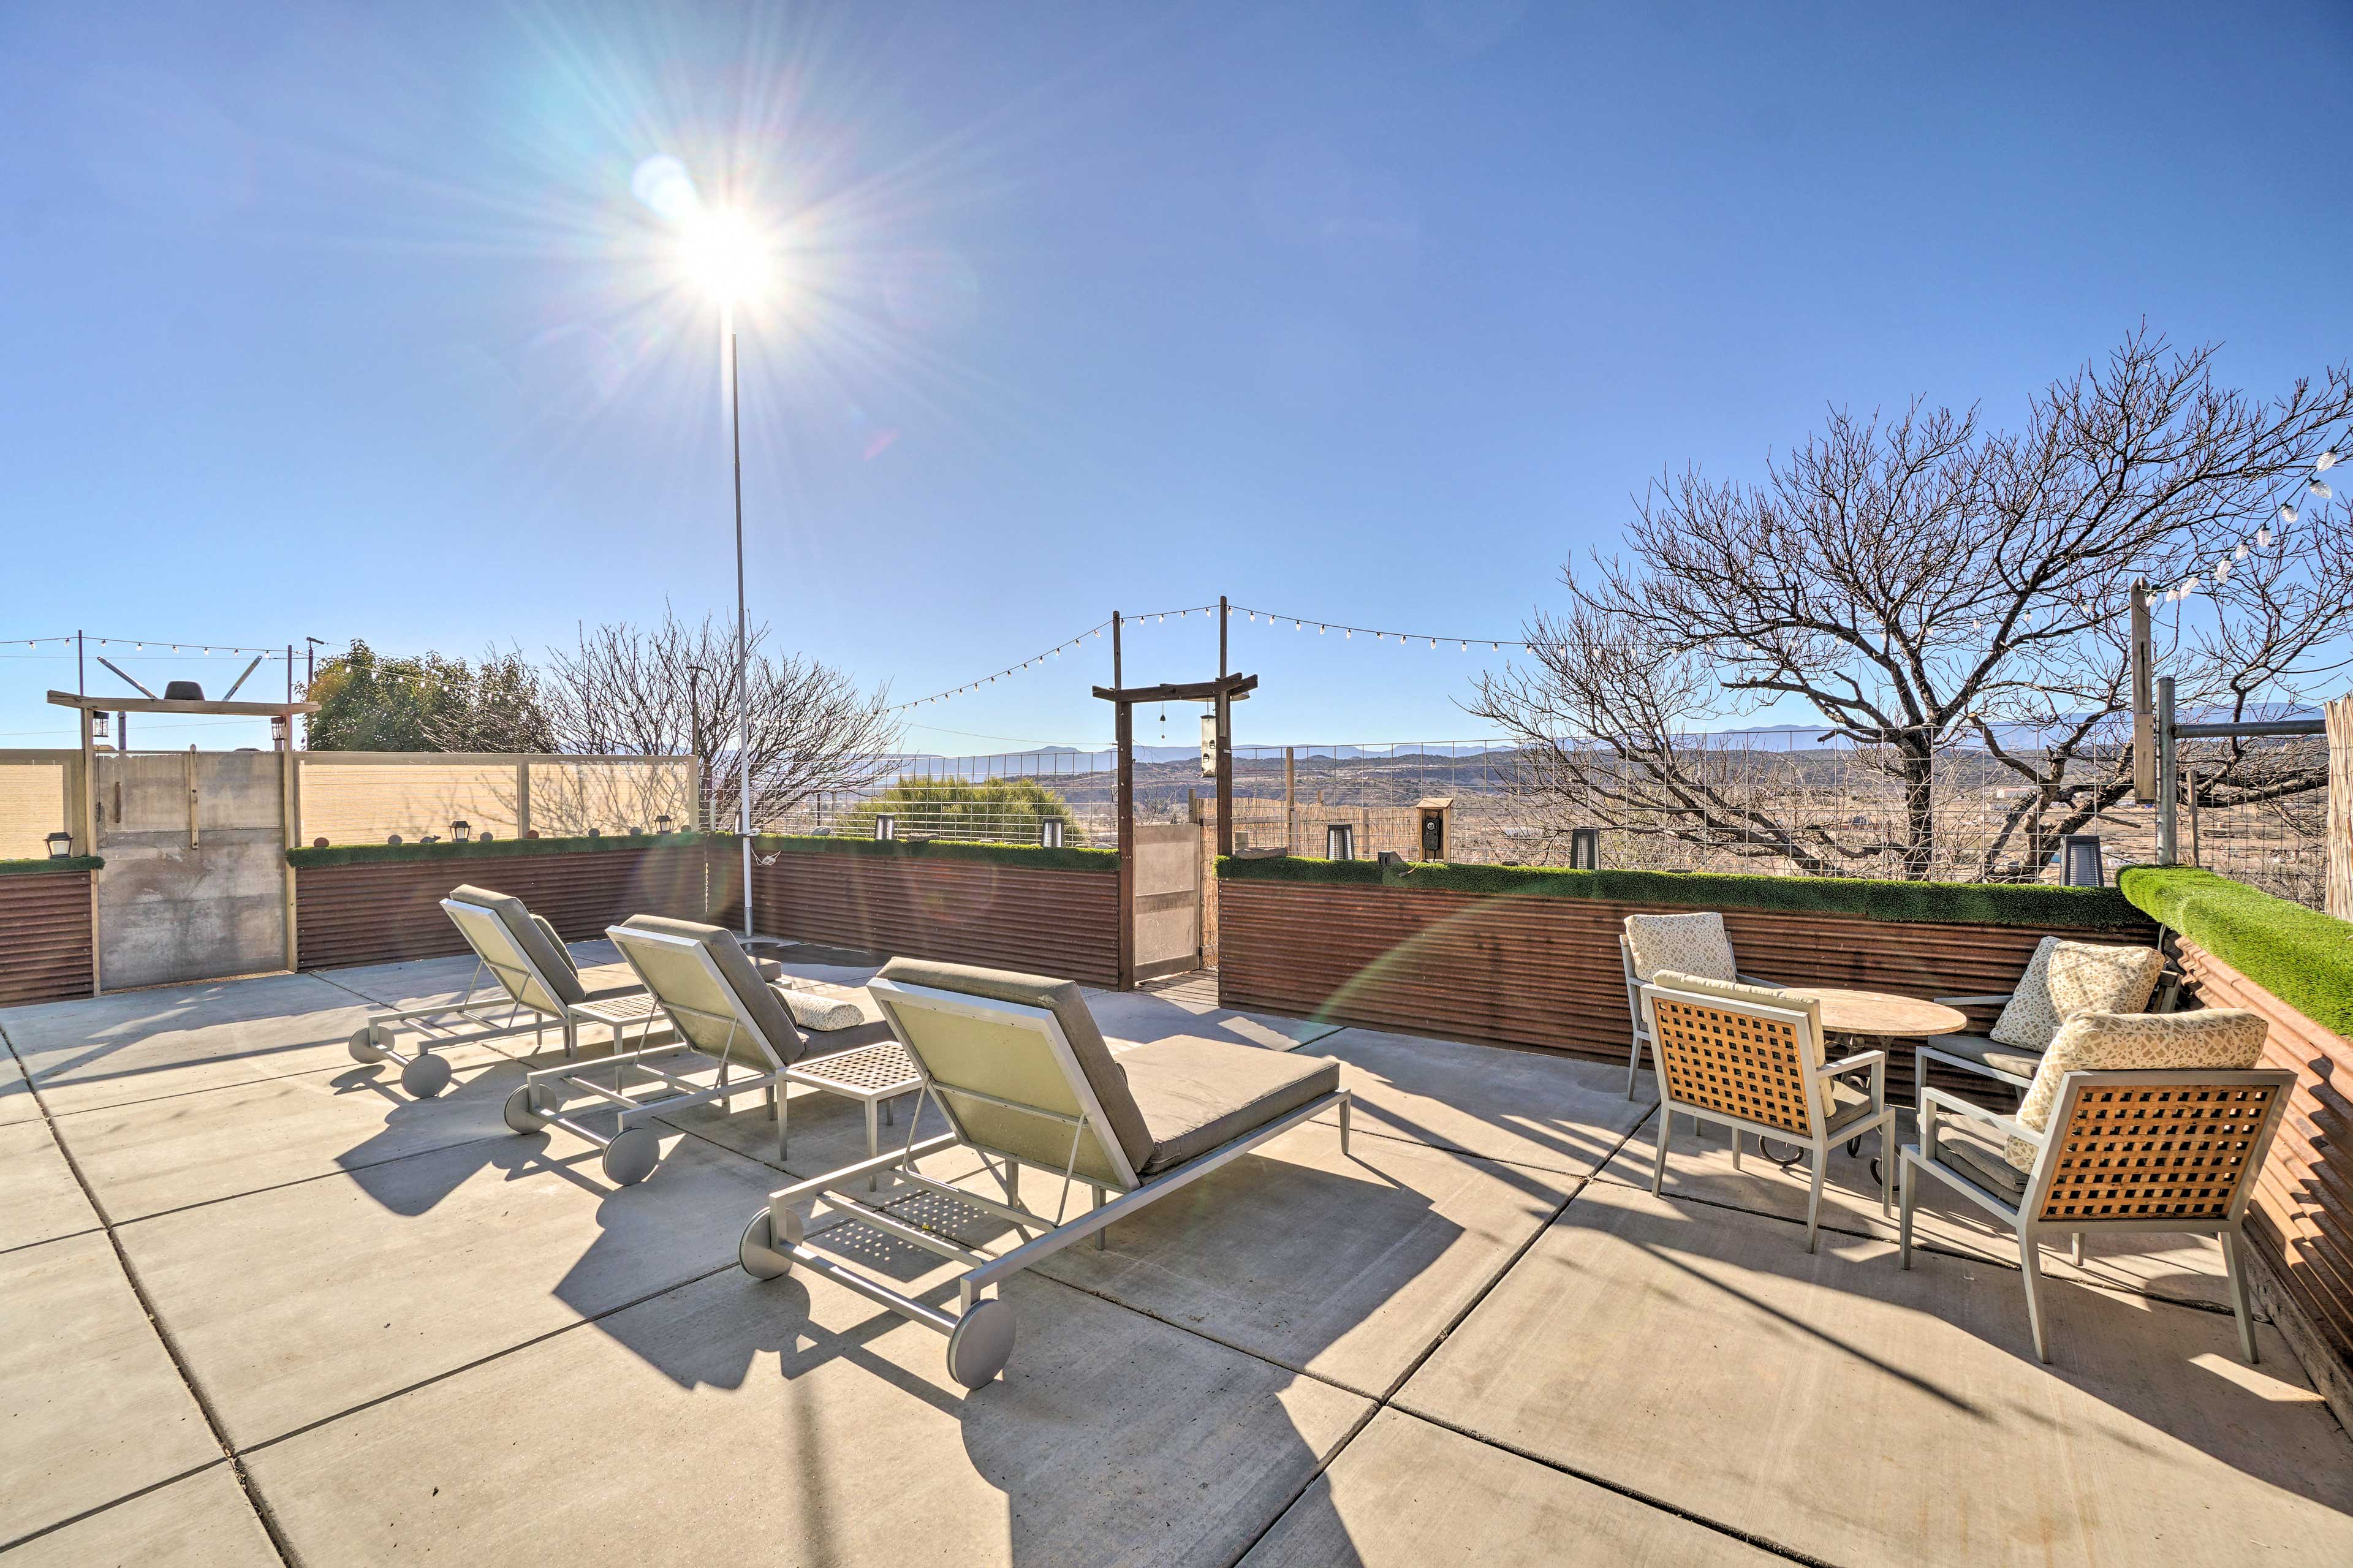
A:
1751,1058
1652,945
2132,1122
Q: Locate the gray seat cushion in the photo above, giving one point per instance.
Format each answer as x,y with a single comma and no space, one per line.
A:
1981,1162
1848,1105
1069,1005
1977,1048
1195,1094
535,938
761,1005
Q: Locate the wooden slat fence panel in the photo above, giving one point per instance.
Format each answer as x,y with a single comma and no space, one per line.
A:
2301,1218
44,936
376,913
1062,924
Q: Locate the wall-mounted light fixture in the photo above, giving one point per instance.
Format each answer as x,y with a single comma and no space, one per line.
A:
1585,849
1049,832
886,825
2079,861
459,829
60,845
1340,841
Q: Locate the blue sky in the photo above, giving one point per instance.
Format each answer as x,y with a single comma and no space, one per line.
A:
341,320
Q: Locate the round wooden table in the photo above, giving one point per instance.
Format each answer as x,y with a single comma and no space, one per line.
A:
1880,1014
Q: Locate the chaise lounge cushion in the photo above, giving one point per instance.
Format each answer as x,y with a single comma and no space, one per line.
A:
1195,1094
532,938
1063,999
760,1004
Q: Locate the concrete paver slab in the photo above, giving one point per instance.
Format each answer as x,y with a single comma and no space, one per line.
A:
1532,1107
822,1131
1346,1267
90,1406
293,1304
734,1421
1699,1165
17,1102
141,1045
201,1522
151,1156
1404,1493
1844,1408
39,1199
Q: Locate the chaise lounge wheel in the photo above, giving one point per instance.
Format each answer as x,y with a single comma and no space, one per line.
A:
519,1113
982,1344
362,1045
631,1157
758,1253
425,1075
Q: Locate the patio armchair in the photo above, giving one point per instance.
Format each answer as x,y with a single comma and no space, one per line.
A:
1751,1058
1018,1068
532,979
723,1015
2062,979
2132,1122
1688,944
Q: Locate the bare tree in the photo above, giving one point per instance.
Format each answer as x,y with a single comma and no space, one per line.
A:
669,689
1921,581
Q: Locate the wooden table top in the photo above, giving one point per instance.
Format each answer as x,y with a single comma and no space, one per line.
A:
1881,1013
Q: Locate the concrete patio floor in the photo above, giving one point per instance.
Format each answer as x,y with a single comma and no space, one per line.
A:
258,1306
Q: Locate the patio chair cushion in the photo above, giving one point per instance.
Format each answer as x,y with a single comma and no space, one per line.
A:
760,1005
1981,1162
1064,1000
1195,1094
2230,1039
1848,1104
534,939
2093,977
556,943
812,1011
1984,1052
1740,993
1688,944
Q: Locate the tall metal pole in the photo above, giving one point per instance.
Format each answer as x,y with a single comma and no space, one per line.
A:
742,627
2144,661
2168,846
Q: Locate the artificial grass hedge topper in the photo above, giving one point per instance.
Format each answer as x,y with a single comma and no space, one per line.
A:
1977,903
40,863
2301,956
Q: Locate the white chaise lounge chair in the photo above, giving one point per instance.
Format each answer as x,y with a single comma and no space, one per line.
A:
725,1016
522,970
1017,1067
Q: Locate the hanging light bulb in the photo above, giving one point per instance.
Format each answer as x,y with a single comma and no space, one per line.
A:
1299,625
1348,633
2287,513
1466,647
2264,536
2222,570
1321,628
1495,648
1434,642
2323,463
2239,553
2320,490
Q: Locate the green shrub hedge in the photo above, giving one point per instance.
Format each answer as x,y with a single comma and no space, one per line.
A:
47,863
1978,903
1030,855
2301,956
475,849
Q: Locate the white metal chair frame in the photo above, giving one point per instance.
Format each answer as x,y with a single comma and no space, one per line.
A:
425,1074
634,1148
1816,1139
2029,1217
980,1332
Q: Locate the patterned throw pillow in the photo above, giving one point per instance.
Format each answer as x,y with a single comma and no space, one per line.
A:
1689,944
2065,978
2225,1037
812,1011
2085,977
1738,993
2031,1019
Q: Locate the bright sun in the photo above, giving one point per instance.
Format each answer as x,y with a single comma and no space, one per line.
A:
723,254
